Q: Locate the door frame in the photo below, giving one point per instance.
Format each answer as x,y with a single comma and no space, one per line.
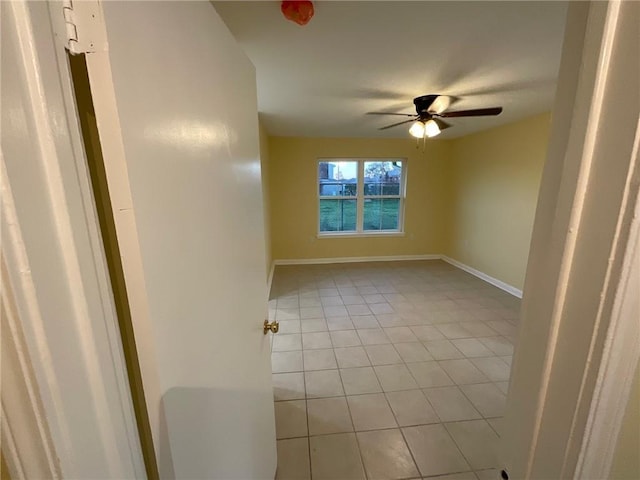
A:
63,318
579,339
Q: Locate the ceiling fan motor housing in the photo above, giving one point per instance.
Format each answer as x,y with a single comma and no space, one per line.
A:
423,103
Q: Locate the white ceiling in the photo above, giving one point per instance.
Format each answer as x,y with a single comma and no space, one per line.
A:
319,80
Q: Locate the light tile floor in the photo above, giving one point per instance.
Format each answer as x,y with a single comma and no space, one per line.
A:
390,370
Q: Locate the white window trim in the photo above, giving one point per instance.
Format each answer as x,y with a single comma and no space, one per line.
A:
360,197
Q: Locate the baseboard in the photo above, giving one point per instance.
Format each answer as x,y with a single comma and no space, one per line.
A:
322,261
487,278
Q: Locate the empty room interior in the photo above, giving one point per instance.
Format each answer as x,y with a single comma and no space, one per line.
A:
315,240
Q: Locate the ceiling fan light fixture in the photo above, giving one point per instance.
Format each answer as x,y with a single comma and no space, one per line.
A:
417,129
431,128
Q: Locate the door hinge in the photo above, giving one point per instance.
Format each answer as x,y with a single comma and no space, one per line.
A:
84,26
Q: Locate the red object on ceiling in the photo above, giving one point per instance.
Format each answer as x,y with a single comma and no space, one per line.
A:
299,11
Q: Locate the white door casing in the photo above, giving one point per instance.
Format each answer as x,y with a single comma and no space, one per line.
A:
176,108
61,303
579,339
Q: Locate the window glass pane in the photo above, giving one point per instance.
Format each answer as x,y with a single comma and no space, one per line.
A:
382,178
337,179
337,215
381,213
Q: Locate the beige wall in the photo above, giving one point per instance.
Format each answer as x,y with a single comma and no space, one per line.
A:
293,197
626,461
495,181
264,169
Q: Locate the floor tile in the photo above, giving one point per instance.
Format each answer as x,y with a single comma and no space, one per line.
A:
293,459
371,412
487,398
323,383
453,330
443,350
451,404
291,419
463,371
313,325
472,347
289,326
328,415
365,321
337,300
316,340
382,354
347,291
434,451
494,368
335,311
336,457
287,314
353,299
478,329
491,474
386,455
477,441
286,362
310,302
498,345
503,386
359,380
459,476
322,359
367,290
413,352
339,323
358,310
287,342
389,320
395,377
345,338
411,407
288,386
349,357
400,334
381,308
496,424
427,333
373,336
429,374
328,292
311,312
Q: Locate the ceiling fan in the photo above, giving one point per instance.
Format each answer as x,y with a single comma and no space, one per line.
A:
430,110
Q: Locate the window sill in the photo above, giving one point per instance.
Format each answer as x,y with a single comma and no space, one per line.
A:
359,235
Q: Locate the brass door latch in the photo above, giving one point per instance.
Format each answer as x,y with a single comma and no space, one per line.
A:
273,326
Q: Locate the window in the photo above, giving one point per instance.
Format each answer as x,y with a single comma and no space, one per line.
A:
360,196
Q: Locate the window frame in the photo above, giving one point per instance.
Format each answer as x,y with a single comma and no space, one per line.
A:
360,198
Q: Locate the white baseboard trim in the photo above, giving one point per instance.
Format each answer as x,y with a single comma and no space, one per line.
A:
322,261
483,276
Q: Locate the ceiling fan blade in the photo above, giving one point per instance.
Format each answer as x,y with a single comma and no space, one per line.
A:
440,104
396,124
441,123
389,113
480,112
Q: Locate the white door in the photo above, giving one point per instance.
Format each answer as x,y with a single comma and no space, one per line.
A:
186,130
